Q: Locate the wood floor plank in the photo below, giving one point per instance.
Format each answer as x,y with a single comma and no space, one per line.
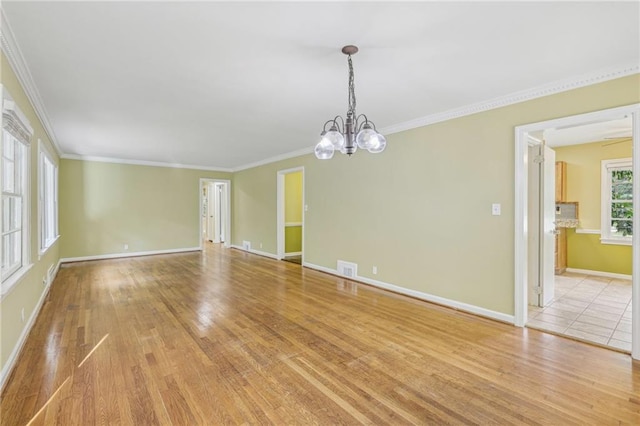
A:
226,337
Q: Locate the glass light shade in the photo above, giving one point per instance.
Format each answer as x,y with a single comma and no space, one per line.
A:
380,146
367,138
335,138
324,149
343,150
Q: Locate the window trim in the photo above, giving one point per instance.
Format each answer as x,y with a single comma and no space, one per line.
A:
605,201
16,123
43,152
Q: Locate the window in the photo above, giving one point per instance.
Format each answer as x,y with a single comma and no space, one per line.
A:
14,199
14,248
48,198
617,201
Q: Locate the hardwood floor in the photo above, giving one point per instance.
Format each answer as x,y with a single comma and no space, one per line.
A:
226,337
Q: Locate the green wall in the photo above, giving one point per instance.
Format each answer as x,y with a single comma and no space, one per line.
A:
105,205
421,211
584,251
26,293
293,212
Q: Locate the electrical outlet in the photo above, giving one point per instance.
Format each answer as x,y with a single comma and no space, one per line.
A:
375,270
260,245
44,281
22,314
126,246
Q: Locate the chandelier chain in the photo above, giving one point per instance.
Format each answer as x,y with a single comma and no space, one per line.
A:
352,91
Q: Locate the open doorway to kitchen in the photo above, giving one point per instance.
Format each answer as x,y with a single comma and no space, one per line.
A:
215,214
290,214
574,227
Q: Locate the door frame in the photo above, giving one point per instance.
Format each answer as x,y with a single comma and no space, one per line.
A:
226,211
520,210
280,207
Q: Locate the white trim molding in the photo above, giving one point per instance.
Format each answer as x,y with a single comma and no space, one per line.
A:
280,209
449,303
517,97
521,189
17,62
285,156
599,273
607,168
13,357
293,253
133,254
257,252
587,231
142,163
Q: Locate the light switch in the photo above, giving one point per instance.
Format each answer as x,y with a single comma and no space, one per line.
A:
495,209
306,207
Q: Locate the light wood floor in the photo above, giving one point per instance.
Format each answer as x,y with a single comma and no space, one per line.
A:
225,337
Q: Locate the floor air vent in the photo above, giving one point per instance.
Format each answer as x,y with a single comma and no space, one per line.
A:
347,269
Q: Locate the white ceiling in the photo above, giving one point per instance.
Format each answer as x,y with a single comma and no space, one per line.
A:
593,132
223,85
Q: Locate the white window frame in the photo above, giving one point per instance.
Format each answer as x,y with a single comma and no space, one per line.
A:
15,123
605,200
46,236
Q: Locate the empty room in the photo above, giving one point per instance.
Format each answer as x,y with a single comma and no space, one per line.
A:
320,213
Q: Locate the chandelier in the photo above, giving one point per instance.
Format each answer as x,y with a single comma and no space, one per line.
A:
356,131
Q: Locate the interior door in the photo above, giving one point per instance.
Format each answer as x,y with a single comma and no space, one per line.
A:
533,224
211,213
548,226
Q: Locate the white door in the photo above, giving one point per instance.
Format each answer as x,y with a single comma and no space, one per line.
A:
548,226
533,224
211,212
217,214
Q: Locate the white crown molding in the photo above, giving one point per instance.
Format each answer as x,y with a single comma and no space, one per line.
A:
292,154
142,163
513,98
517,97
19,65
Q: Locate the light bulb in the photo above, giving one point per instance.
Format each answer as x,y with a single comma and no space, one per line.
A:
380,146
324,149
335,137
367,138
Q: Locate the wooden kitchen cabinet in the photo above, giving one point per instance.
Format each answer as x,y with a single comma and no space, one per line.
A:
561,251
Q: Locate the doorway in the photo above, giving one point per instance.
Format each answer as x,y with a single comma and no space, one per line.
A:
531,253
290,214
215,212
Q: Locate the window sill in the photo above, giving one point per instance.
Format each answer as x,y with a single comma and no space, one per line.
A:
616,241
10,283
44,250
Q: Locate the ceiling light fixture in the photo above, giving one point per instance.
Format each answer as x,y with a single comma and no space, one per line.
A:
355,132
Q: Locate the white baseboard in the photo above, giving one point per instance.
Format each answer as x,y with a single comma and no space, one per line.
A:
13,357
133,254
599,273
258,252
476,310
293,253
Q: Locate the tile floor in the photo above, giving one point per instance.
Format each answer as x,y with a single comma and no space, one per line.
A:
587,307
